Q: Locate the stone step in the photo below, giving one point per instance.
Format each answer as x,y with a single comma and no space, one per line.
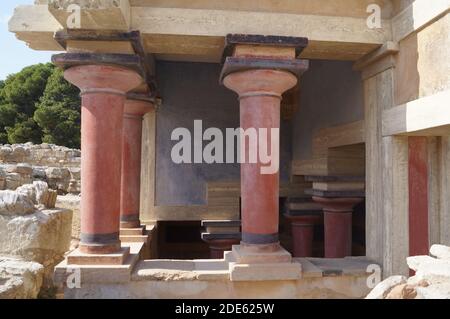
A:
209,236
132,231
221,223
134,238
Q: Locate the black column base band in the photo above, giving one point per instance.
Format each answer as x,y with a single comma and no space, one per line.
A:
259,239
99,239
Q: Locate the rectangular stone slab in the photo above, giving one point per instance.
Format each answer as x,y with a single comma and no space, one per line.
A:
78,258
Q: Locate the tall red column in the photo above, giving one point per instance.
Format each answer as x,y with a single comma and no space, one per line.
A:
418,195
103,91
260,96
131,161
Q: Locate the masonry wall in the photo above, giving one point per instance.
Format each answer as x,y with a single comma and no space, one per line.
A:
191,91
330,94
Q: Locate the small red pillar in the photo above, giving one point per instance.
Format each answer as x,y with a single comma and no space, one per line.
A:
303,233
218,247
338,225
260,96
103,90
131,161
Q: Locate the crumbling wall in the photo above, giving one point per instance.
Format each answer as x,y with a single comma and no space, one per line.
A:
58,166
34,236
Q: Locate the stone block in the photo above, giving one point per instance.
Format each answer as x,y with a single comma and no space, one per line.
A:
43,236
265,272
20,279
246,256
76,257
14,204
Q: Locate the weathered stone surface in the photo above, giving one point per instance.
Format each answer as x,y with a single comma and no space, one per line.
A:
43,236
440,251
14,203
384,288
403,291
431,279
2,179
20,279
25,163
12,181
24,168
438,291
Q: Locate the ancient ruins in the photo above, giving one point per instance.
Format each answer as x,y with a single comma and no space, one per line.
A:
358,90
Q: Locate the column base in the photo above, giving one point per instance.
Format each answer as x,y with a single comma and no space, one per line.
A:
130,224
261,263
99,249
78,257
260,254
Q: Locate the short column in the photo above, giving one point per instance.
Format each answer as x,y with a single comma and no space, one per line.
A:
337,225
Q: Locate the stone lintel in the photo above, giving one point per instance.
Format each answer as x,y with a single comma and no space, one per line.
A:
103,14
336,194
331,178
234,41
236,64
68,60
221,223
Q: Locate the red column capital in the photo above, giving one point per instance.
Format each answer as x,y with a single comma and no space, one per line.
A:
262,82
104,78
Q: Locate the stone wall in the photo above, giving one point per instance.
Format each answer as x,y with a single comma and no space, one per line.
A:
34,237
58,166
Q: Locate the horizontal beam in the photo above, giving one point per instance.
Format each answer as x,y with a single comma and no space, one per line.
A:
419,14
202,25
199,34
428,116
35,25
109,14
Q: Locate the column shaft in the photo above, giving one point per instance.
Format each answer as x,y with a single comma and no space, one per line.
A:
260,192
103,90
131,171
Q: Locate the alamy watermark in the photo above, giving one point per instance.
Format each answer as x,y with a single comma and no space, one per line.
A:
374,19
252,146
74,18
73,280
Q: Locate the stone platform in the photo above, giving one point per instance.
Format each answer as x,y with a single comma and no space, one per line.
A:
212,279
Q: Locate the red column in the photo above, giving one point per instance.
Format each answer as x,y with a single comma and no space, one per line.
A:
418,195
260,96
218,247
103,90
338,225
303,234
131,161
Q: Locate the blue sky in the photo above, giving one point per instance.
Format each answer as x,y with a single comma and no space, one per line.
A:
14,54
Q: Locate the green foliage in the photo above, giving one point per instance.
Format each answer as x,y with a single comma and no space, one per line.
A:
58,112
23,89
26,131
38,105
